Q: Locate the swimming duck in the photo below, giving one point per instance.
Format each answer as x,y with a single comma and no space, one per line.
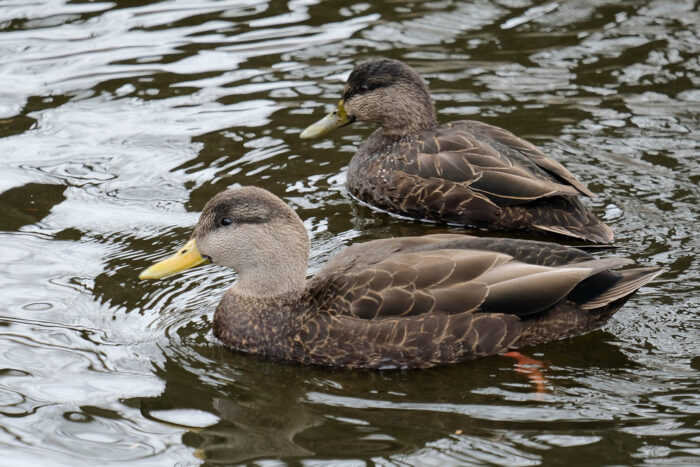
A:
408,302
464,172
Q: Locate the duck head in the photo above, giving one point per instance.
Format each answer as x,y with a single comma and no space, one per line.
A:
385,92
252,231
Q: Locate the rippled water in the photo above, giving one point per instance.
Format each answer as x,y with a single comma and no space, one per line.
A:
118,121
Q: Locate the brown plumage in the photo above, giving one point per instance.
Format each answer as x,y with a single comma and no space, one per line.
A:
410,302
465,172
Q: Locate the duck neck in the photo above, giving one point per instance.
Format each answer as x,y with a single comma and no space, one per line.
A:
278,275
271,259
260,313
411,113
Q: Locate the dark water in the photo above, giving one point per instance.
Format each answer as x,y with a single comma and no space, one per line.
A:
118,120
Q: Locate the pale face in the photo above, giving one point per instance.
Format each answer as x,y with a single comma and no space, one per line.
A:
251,231
239,246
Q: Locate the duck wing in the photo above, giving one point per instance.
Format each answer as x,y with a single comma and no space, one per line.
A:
446,281
441,298
470,173
432,197
504,139
368,254
489,161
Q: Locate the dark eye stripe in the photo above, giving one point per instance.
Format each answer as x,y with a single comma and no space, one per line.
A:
363,88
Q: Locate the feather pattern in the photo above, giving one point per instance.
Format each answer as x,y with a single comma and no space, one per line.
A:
474,174
465,172
423,301
408,302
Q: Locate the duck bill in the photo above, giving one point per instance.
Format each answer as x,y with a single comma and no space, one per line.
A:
187,257
336,119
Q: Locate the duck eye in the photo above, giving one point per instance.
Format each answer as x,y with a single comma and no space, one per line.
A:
364,88
226,221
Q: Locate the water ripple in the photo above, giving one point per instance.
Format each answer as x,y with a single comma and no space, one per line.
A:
119,120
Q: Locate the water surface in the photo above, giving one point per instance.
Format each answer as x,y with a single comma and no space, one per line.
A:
119,120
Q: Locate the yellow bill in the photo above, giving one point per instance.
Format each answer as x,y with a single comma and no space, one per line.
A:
187,257
330,122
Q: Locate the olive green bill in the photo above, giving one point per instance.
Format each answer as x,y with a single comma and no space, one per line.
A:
330,122
187,257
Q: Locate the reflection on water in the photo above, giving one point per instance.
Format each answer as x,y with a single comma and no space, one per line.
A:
28,204
119,120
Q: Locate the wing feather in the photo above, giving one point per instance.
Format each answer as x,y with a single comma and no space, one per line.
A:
492,161
508,139
444,298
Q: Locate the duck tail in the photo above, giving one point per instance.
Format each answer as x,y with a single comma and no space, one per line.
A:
596,233
567,216
630,281
586,308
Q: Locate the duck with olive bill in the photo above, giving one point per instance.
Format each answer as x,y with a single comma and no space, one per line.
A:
464,172
408,302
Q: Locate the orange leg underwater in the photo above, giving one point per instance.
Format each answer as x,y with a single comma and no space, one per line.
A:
530,368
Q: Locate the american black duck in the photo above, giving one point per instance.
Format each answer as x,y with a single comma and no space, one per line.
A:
464,172
410,302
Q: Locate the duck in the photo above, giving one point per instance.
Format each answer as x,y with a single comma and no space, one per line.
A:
465,172
403,302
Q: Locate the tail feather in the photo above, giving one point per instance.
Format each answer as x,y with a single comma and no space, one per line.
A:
566,215
601,264
631,280
597,232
